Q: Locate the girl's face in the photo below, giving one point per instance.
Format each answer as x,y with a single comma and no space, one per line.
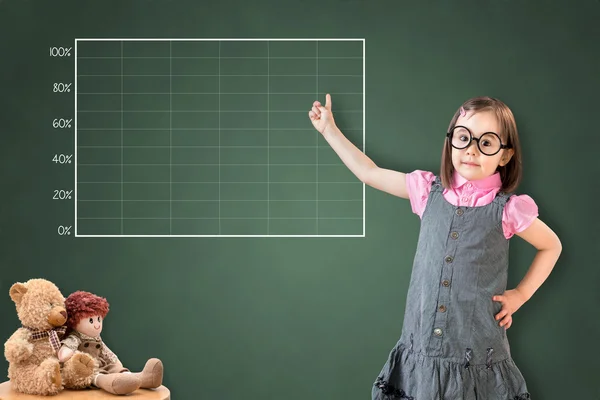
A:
470,163
91,326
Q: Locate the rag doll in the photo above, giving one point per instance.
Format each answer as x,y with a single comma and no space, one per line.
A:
86,312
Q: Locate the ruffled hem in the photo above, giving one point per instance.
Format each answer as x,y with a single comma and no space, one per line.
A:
409,375
390,390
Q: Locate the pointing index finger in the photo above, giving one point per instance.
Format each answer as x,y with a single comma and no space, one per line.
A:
328,101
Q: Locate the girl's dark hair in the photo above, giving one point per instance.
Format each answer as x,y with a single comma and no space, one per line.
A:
511,173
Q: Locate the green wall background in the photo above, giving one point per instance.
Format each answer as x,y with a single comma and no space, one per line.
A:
315,318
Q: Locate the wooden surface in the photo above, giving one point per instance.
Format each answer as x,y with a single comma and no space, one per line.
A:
160,393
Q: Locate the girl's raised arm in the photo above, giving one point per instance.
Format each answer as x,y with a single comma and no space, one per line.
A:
389,181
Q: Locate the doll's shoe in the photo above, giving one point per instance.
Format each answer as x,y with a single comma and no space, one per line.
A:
152,375
118,383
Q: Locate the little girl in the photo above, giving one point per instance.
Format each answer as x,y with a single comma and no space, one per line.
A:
453,344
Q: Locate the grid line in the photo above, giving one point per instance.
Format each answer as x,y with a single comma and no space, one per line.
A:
226,218
215,182
244,93
268,138
239,58
213,165
204,129
170,136
200,147
207,111
219,137
122,149
222,200
236,75
317,140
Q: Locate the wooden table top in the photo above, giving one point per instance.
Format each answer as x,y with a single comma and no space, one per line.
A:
160,393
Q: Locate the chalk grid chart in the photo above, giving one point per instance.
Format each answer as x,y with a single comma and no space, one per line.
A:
212,137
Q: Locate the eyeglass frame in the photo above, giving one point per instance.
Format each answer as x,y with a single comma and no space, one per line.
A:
471,139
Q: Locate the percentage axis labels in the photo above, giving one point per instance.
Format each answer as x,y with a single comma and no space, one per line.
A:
60,87
60,194
61,123
63,230
60,51
62,158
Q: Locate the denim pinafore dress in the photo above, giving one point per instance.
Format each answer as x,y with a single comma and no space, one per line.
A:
451,347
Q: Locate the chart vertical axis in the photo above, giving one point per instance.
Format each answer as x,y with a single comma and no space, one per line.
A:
75,141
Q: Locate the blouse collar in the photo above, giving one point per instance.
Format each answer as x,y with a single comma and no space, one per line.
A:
491,182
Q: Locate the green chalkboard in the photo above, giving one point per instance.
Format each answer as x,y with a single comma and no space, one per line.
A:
299,293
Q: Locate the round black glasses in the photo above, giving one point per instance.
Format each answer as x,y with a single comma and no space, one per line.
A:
489,143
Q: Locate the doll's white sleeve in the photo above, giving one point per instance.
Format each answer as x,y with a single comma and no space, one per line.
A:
72,342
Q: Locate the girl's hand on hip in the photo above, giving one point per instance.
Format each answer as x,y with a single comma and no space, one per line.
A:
321,116
511,301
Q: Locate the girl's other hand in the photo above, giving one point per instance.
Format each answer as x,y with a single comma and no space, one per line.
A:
322,117
511,301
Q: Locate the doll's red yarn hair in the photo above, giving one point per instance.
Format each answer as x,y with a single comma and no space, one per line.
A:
81,305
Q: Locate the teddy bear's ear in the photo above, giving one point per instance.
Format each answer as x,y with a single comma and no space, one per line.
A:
17,291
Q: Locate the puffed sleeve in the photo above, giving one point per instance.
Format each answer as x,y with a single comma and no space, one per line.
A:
418,186
72,342
519,212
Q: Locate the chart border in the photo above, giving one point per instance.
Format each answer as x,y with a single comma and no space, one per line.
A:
222,40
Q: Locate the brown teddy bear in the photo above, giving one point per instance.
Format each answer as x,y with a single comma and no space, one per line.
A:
31,351
86,313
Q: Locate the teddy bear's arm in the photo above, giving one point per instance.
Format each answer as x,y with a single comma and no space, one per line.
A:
18,348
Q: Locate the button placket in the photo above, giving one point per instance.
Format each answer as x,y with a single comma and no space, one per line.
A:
443,299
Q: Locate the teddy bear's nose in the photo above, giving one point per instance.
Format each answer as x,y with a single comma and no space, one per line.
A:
63,313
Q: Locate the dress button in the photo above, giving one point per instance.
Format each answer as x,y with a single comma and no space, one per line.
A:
454,235
448,259
437,332
442,308
465,199
446,282
460,211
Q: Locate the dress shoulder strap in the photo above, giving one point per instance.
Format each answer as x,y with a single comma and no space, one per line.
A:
436,184
502,198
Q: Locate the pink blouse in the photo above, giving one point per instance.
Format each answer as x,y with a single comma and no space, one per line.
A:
519,212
